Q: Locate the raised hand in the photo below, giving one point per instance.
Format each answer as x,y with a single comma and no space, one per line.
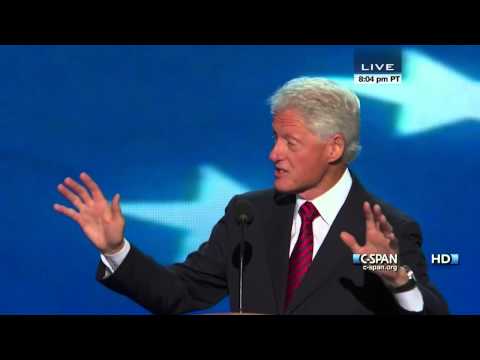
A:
379,239
102,222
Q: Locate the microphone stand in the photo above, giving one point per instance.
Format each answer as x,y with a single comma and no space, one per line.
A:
242,243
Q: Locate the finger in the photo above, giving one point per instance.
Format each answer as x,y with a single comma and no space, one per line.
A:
377,210
92,186
70,196
377,214
385,225
350,241
116,205
390,236
72,214
79,190
370,220
394,243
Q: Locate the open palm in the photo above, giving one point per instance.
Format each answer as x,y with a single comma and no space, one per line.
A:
379,237
102,222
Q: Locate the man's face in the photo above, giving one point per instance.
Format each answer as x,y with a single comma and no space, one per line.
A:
300,157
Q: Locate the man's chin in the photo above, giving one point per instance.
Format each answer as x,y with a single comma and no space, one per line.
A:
281,186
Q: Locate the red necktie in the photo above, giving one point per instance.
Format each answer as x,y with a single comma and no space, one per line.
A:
302,254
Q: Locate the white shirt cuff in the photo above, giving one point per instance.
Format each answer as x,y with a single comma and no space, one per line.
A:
113,261
411,300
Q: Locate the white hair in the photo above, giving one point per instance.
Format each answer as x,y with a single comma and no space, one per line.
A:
326,107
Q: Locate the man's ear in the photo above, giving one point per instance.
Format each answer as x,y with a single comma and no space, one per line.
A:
336,148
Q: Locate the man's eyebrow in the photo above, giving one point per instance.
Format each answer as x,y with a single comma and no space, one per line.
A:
288,136
293,137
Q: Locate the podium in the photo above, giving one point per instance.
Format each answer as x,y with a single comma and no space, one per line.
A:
233,313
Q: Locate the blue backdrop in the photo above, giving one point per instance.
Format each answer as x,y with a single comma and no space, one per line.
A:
177,130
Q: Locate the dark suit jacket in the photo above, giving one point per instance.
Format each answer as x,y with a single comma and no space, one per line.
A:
332,285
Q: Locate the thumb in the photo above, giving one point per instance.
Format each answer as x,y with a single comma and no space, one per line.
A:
350,241
116,205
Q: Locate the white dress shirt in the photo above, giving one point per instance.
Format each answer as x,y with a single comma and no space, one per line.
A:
328,205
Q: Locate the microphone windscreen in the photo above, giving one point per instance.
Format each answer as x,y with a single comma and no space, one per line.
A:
244,211
247,255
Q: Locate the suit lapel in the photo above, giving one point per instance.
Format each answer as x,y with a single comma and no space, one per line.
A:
279,227
350,218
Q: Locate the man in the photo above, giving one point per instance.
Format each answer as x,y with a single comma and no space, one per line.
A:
303,236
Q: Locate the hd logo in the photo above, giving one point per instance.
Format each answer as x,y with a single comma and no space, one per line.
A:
445,259
377,66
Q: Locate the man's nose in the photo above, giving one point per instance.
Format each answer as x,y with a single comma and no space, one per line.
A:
275,153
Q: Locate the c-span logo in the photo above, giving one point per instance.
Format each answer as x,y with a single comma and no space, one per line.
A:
376,66
376,262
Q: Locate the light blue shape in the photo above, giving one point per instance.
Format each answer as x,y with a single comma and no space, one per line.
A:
454,259
197,217
430,96
356,258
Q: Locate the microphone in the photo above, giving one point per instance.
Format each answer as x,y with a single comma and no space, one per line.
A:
242,257
244,212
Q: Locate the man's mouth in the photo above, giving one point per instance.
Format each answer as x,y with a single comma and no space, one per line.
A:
280,172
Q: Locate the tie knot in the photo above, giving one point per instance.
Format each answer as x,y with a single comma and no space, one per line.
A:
308,212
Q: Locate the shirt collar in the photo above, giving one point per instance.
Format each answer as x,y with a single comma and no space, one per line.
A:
329,203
